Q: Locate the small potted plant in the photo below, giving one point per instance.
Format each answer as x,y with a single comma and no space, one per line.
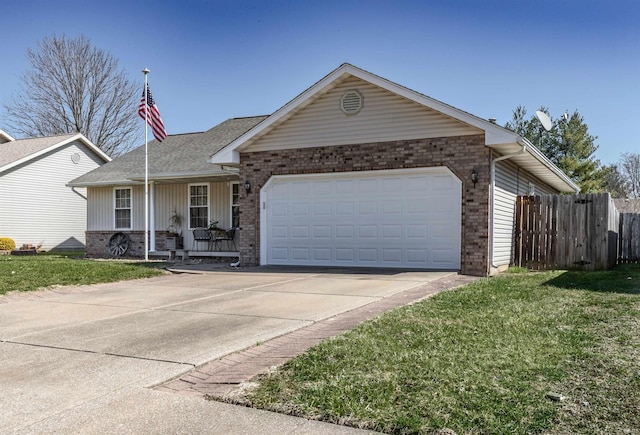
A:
174,240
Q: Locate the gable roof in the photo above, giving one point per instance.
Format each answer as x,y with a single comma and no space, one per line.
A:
499,138
179,156
19,151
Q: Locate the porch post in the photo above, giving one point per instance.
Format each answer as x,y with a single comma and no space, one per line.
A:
152,216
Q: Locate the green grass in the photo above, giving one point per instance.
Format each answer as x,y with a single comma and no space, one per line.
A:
25,273
481,359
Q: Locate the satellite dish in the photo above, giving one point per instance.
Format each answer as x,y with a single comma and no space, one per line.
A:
544,120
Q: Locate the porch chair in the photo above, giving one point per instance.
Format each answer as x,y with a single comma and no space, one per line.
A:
228,237
201,235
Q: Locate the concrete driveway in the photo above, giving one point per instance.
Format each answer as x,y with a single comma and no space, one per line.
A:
83,359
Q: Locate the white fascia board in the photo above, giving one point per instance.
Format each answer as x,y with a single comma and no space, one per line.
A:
226,156
89,145
500,136
231,153
538,155
6,136
182,175
57,145
125,182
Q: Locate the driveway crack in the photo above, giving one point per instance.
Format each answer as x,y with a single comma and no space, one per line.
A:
70,349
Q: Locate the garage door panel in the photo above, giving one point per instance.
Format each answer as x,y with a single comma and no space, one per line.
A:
344,231
345,186
300,232
367,208
375,219
322,209
392,206
368,232
367,186
322,187
368,255
345,208
322,232
301,209
322,255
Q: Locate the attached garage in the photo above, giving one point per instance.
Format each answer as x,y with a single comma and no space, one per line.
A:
405,218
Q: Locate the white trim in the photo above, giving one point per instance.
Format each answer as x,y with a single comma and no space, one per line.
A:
538,155
6,136
113,208
172,176
231,184
495,135
152,216
263,195
57,145
208,185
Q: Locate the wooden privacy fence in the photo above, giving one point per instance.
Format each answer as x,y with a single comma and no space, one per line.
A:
566,232
629,237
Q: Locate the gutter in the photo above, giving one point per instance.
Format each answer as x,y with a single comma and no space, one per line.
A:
492,205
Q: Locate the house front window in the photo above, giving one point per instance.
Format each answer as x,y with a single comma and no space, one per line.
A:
235,205
122,209
198,206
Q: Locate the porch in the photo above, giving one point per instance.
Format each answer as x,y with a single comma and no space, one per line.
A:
98,246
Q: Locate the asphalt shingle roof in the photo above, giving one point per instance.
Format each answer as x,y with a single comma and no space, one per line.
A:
18,149
177,154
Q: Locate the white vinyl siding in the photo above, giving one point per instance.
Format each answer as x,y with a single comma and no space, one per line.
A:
168,197
511,181
36,206
385,116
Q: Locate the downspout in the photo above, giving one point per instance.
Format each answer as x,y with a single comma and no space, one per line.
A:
522,143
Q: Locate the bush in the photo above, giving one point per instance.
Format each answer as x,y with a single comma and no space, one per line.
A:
7,244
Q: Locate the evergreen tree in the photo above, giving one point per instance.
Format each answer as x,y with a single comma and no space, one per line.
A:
567,144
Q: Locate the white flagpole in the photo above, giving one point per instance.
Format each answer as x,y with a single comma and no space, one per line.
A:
146,168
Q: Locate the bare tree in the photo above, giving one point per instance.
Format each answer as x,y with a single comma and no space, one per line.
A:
630,169
615,182
72,87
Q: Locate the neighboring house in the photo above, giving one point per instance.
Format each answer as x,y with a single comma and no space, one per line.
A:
36,206
627,205
355,171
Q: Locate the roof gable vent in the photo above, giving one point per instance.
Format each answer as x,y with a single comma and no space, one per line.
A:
351,102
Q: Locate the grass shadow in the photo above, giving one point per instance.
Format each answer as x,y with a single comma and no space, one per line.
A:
624,279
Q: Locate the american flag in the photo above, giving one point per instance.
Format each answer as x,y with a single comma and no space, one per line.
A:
154,120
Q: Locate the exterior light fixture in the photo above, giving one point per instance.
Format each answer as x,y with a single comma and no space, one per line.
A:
474,177
247,186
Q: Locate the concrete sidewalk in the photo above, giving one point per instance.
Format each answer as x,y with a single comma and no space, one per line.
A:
96,359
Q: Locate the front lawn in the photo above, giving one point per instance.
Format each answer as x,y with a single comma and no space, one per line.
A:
24,273
553,352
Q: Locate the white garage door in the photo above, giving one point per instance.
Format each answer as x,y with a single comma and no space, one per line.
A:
401,218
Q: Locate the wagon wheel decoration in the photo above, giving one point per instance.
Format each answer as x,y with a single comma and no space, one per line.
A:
118,244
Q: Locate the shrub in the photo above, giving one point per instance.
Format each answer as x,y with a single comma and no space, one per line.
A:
7,244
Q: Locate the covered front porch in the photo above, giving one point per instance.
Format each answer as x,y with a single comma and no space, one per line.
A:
187,216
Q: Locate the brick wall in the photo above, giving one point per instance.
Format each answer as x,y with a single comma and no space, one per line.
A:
460,154
97,242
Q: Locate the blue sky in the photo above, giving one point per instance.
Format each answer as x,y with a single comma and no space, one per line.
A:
213,60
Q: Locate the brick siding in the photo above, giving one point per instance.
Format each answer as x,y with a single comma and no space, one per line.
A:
97,242
460,154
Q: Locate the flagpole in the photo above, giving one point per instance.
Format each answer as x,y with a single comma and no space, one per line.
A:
146,168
